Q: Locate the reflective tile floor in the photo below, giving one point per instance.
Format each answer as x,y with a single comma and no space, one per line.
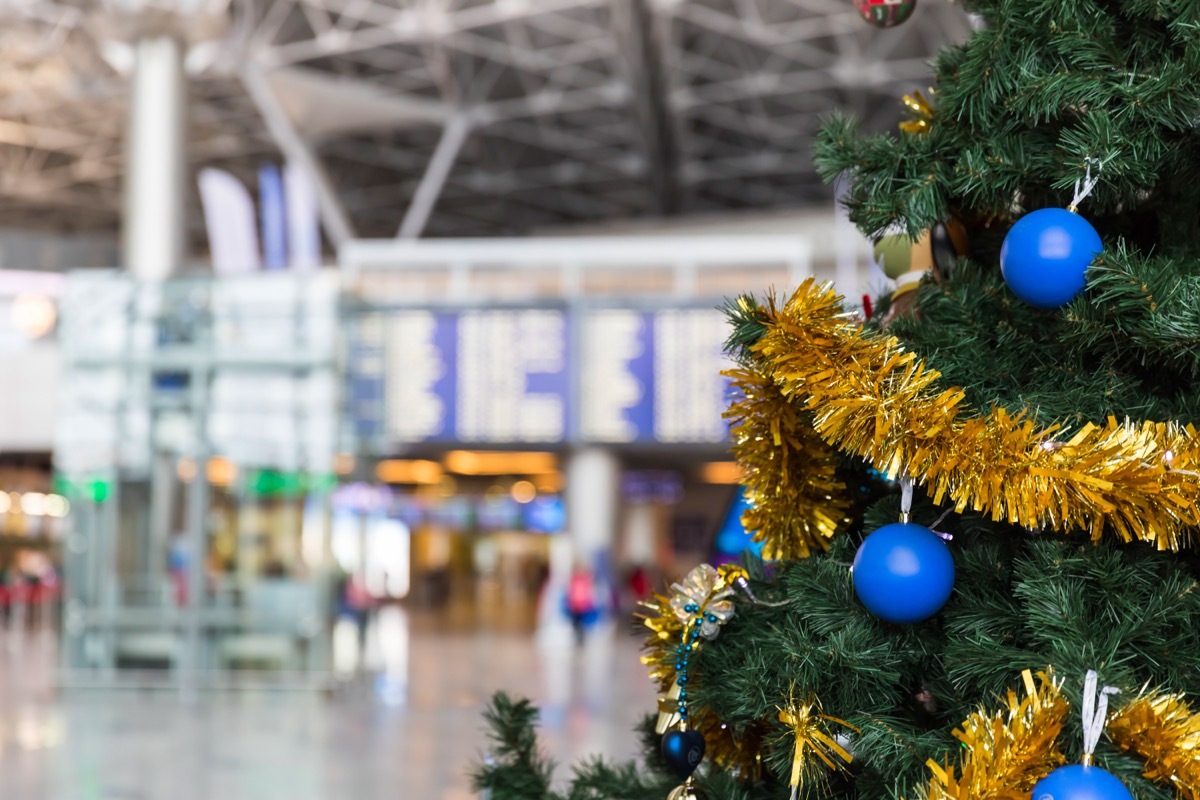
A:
406,728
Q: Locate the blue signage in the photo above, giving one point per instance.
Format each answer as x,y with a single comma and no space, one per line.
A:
498,376
654,376
488,376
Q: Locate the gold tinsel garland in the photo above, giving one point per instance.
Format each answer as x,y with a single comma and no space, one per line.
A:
1162,730
1005,753
867,395
796,500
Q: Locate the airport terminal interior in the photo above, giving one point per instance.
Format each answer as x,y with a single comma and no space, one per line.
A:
343,341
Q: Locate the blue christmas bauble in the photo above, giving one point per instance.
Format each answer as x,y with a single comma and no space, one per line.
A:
903,573
1045,256
1077,782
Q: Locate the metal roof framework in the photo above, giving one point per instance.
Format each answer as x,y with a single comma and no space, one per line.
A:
462,117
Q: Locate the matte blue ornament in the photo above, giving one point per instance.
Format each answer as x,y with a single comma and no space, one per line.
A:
1045,256
903,573
1077,782
683,751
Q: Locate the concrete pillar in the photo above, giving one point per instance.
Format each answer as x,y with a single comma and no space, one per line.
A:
155,151
642,522
592,491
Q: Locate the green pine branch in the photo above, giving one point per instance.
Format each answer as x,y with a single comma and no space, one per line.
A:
516,769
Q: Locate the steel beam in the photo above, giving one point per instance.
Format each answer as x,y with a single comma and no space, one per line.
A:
334,219
440,163
635,34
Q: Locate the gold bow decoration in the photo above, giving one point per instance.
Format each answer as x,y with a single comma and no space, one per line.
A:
813,744
709,588
920,113
868,396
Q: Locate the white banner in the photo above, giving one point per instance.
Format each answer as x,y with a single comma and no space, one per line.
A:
230,220
303,219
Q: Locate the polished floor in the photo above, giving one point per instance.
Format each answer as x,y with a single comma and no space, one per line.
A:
405,726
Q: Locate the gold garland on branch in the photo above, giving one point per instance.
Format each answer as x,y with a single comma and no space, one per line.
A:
796,500
1163,731
869,396
1005,753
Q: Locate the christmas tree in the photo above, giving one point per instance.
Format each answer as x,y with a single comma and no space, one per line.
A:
979,507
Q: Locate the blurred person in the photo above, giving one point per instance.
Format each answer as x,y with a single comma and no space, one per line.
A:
178,558
357,604
639,582
581,600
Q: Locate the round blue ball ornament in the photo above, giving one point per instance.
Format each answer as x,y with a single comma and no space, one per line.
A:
1045,256
1077,782
903,573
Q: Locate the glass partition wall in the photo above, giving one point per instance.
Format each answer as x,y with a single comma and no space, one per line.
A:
196,439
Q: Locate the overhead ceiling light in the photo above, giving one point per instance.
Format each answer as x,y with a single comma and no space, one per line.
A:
221,471
57,505
34,315
720,472
523,492
404,471
483,462
33,504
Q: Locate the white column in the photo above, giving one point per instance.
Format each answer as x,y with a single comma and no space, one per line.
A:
155,170
592,493
641,533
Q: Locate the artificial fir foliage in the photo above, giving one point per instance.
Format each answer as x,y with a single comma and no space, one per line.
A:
1056,447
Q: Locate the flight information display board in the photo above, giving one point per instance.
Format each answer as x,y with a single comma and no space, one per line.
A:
538,375
653,376
487,376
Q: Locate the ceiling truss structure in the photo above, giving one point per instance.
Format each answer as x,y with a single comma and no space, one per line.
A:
541,112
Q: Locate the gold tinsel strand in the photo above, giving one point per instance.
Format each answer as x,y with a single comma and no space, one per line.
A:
869,396
813,746
1163,730
796,500
1006,753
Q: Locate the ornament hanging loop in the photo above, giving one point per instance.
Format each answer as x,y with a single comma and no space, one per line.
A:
1084,187
1095,713
906,495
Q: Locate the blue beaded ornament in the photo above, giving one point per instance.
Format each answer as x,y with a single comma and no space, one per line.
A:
903,573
